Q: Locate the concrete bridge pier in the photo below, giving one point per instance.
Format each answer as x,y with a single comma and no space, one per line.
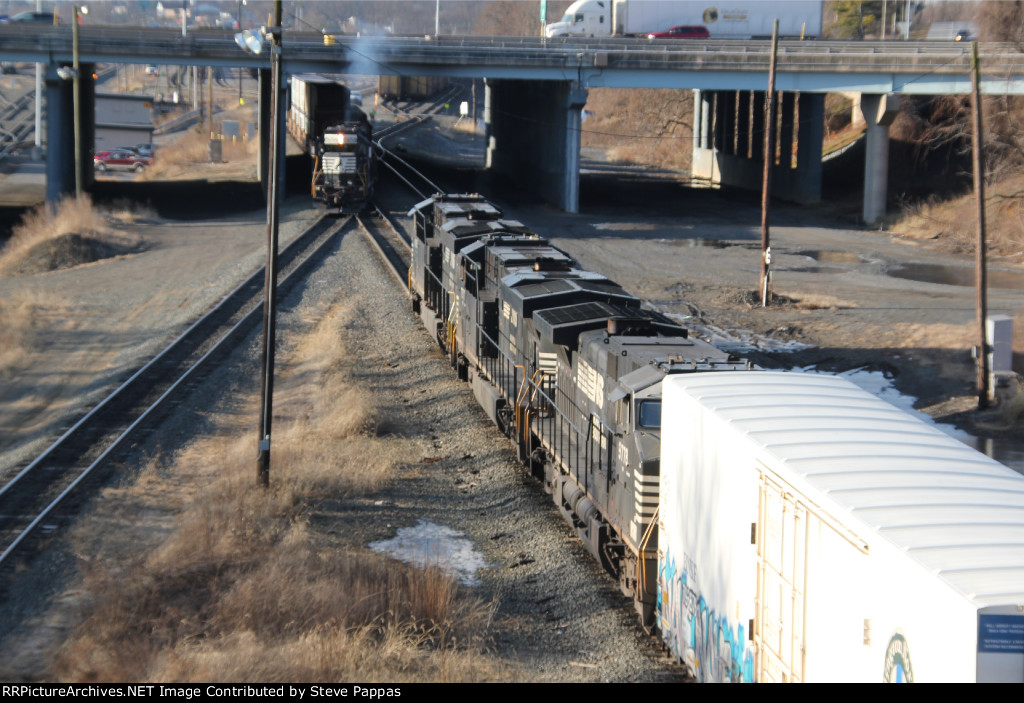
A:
879,112
728,142
60,132
533,135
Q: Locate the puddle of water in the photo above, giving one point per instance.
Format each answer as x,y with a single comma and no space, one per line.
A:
957,276
876,383
831,257
627,226
427,544
807,269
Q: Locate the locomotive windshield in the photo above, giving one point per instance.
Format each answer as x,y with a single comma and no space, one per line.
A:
649,414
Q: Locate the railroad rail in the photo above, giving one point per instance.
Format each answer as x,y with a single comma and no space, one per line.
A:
37,500
390,242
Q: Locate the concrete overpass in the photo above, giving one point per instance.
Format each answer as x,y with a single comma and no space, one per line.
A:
536,87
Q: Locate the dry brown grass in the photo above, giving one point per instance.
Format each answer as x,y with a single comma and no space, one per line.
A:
260,585
69,216
69,233
649,127
192,150
955,220
21,315
128,212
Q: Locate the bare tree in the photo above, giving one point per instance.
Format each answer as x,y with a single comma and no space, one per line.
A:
516,17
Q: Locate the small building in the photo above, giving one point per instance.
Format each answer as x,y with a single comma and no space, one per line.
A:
123,120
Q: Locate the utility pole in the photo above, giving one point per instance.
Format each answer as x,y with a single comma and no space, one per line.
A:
981,293
209,97
270,281
77,103
769,161
241,71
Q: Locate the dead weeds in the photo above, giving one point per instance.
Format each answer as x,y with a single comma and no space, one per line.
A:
193,149
68,234
245,588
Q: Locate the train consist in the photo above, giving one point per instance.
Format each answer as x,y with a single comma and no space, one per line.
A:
409,87
338,137
769,526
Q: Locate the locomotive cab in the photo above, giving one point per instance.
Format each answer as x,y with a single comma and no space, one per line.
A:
343,170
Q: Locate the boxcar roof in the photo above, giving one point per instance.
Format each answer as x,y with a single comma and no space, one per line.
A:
952,509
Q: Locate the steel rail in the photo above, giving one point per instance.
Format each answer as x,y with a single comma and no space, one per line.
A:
385,243
299,253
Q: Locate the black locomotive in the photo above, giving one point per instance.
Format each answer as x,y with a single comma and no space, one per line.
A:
339,139
567,363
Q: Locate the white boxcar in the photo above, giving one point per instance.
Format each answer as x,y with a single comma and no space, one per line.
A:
809,531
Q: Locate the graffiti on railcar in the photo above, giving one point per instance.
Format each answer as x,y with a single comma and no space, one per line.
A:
695,632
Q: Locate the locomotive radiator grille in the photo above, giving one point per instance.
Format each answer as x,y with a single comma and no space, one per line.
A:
339,163
645,503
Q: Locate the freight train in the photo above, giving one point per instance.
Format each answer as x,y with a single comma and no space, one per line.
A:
409,87
768,526
338,138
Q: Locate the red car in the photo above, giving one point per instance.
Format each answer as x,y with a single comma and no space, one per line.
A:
683,32
120,159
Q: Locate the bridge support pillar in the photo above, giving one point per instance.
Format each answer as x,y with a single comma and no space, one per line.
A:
879,112
728,142
60,132
805,182
533,135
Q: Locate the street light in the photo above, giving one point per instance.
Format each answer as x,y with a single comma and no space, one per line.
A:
74,74
251,41
241,101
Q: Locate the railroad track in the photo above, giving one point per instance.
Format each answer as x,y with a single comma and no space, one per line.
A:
390,242
45,493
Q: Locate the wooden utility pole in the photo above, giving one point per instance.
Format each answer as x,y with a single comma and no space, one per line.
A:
76,99
769,161
277,154
981,297
209,99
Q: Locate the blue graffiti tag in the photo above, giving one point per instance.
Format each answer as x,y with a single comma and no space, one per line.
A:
694,632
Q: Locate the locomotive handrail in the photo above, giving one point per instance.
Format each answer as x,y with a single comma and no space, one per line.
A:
591,454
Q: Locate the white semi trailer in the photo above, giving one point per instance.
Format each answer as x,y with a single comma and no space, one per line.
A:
809,531
743,19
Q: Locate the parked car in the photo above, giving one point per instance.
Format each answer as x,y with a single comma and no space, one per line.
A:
120,160
152,70
964,35
683,32
35,17
146,149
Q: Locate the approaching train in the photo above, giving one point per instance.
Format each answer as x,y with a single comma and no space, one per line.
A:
339,139
769,526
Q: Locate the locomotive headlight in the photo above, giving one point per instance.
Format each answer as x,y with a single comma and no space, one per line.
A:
334,139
